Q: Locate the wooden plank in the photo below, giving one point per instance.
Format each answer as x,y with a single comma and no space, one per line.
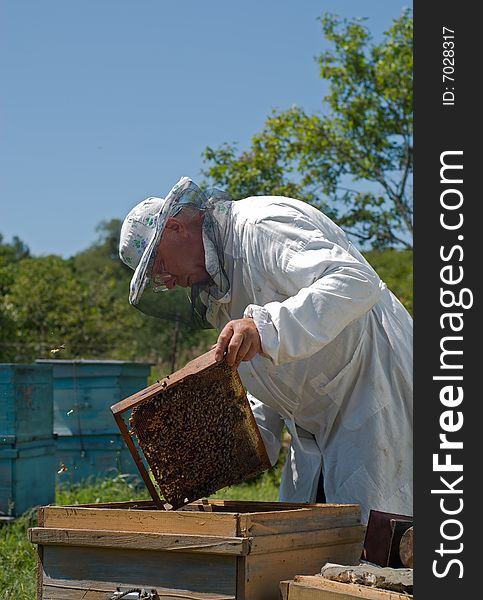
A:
94,592
65,593
251,506
40,559
196,522
284,585
301,519
235,506
264,572
308,539
39,574
138,460
154,521
130,504
304,592
202,362
149,504
240,577
350,590
78,567
136,540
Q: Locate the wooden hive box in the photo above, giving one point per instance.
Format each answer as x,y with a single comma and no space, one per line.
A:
83,391
217,550
27,476
27,445
25,403
318,588
88,441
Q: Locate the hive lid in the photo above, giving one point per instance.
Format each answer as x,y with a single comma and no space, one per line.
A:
195,430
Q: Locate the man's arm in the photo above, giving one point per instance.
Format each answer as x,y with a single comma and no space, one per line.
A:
325,289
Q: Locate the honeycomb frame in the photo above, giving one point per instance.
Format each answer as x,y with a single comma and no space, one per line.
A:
196,431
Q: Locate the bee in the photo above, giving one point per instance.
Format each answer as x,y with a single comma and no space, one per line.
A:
58,349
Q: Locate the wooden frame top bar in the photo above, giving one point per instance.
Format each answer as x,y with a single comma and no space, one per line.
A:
198,364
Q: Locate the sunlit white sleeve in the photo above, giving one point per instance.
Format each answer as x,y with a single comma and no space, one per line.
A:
270,424
322,287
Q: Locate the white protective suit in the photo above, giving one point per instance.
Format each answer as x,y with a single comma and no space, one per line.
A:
336,366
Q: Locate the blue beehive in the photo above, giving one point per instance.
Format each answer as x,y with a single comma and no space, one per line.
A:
27,448
89,443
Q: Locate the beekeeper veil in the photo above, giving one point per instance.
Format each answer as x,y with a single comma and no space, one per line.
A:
141,234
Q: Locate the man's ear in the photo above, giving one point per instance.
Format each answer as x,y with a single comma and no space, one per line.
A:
174,225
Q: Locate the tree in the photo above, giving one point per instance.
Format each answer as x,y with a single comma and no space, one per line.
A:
364,139
15,251
396,270
42,302
10,255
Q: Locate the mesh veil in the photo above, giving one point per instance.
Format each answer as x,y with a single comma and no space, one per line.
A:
189,306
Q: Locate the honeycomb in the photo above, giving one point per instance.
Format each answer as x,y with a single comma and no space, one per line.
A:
198,435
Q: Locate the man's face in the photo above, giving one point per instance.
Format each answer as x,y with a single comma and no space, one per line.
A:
180,259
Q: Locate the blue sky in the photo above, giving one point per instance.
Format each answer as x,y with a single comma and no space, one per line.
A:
105,102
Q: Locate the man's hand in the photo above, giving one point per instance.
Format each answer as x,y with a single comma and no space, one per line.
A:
240,340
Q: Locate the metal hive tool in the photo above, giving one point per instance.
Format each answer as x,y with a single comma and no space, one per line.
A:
196,431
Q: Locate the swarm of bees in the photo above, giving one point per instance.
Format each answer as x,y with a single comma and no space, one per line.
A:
199,436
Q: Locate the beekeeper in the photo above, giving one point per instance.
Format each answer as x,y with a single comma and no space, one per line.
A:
321,344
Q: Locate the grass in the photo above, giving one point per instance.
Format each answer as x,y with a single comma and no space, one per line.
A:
18,561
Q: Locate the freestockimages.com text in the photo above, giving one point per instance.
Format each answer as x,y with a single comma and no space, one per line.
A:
454,300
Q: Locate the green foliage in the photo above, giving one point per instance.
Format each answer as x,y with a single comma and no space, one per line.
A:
18,559
10,254
261,489
78,308
364,138
13,252
395,268
44,299
95,490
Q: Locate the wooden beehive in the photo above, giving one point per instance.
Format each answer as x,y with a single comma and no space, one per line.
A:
25,403
27,445
83,391
304,587
226,550
196,431
88,442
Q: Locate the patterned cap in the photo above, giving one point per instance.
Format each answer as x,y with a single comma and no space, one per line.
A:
144,226
138,230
